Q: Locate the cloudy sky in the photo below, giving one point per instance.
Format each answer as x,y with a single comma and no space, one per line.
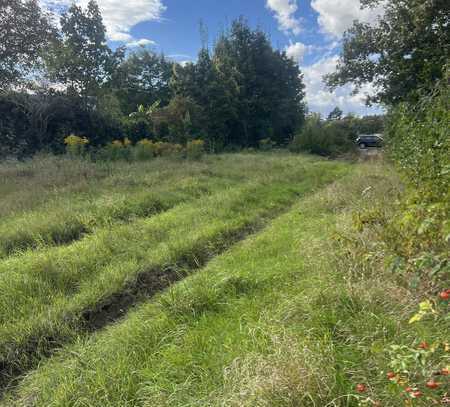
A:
309,30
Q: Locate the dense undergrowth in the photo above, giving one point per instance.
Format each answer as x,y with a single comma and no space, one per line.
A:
411,239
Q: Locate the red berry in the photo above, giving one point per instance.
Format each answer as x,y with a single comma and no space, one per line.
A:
423,345
444,295
417,393
409,389
360,388
390,375
432,384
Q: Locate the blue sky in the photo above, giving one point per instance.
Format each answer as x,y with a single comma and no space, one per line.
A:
309,30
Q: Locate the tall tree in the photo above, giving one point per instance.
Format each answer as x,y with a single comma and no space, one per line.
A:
271,89
214,91
81,59
246,90
405,50
25,31
142,79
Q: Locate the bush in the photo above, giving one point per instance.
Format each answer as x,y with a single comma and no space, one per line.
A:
164,149
419,144
117,150
75,145
327,138
195,149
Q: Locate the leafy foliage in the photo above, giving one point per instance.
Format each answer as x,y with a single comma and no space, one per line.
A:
334,136
403,51
143,78
25,32
420,146
244,91
79,57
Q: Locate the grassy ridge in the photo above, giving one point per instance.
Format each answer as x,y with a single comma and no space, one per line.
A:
44,294
279,320
123,191
71,221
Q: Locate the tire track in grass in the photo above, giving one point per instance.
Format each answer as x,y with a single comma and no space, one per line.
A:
68,219
104,297
36,230
143,286
135,346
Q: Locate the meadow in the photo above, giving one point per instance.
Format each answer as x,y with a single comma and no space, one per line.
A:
220,282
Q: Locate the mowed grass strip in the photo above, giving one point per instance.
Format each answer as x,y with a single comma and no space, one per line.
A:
272,322
44,295
119,196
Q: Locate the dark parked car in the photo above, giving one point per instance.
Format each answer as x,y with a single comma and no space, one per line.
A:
369,140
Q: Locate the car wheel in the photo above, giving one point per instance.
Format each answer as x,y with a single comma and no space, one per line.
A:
362,146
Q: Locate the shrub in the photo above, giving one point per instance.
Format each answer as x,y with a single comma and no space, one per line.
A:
195,149
312,138
326,138
266,144
75,145
419,144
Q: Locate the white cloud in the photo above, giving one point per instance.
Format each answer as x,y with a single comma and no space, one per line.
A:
143,42
297,51
285,14
119,16
337,16
321,100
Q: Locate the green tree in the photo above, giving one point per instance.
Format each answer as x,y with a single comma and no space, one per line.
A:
406,49
80,58
213,90
25,31
271,89
246,90
142,79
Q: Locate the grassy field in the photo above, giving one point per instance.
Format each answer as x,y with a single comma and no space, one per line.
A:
279,311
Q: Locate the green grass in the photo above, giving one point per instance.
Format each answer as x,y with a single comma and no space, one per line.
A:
57,201
296,314
275,321
45,293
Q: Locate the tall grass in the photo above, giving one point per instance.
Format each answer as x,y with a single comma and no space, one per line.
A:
284,318
44,294
70,197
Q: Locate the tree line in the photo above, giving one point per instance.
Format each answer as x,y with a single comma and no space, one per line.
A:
60,77
57,79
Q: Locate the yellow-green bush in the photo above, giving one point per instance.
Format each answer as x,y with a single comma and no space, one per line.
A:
118,150
195,149
75,145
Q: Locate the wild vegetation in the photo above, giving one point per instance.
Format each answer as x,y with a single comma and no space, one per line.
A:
144,264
